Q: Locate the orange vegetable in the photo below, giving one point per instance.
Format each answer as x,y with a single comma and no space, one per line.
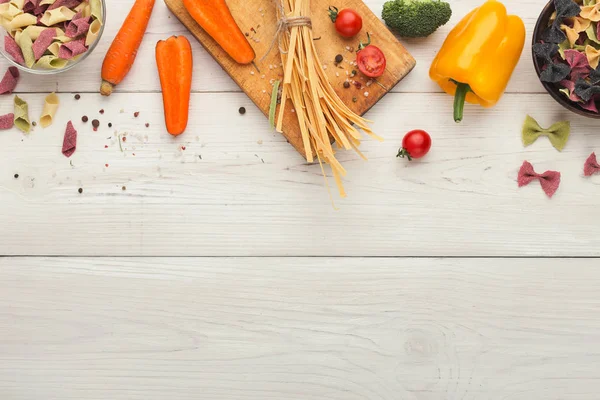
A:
174,62
122,51
216,19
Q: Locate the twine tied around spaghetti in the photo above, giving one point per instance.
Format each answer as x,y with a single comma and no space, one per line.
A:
283,24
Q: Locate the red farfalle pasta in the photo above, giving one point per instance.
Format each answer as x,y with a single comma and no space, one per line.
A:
12,48
43,41
9,82
7,121
70,140
72,49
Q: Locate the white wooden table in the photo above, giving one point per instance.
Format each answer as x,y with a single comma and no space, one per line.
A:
222,272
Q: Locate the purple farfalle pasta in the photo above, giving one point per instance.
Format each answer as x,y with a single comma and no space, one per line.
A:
65,3
580,68
43,41
4,1
7,121
12,48
70,140
72,49
9,82
77,27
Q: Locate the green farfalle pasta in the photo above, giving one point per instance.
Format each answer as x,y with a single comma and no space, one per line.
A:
21,115
558,133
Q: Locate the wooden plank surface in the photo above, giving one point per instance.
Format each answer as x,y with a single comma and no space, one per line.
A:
257,19
309,328
251,194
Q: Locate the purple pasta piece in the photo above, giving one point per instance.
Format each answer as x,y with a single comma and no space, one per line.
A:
7,121
12,48
72,49
4,1
43,41
70,140
66,3
9,82
39,11
77,27
30,5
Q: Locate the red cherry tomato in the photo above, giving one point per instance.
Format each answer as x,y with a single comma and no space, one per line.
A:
347,22
370,59
415,145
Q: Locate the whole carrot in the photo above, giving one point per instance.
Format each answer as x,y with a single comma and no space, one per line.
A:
122,51
216,19
174,62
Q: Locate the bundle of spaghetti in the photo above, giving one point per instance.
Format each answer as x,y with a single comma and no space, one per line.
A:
322,115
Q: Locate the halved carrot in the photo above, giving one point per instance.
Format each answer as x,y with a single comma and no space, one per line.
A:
216,19
174,62
123,50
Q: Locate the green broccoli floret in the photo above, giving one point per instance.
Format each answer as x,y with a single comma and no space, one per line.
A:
416,18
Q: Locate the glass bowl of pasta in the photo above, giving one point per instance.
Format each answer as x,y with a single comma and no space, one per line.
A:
50,36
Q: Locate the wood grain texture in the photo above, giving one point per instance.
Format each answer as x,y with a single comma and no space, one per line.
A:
257,19
143,76
252,194
310,328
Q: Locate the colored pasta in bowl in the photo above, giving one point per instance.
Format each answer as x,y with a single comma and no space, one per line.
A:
50,36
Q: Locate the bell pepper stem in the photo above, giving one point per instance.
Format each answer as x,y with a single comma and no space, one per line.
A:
459,100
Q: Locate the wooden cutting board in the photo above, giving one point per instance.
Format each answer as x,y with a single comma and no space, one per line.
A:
257,19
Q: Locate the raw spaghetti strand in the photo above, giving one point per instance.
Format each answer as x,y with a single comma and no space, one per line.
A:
321,114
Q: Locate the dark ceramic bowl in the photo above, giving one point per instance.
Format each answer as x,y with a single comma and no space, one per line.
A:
551,88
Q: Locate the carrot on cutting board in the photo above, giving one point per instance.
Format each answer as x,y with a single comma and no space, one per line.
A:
216,19
122,51
174,62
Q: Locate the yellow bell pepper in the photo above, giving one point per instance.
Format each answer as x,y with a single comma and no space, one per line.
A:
479,56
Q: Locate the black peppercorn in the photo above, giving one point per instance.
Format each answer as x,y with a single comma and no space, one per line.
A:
84,118
346,84
242,110
80,190
16,176
95,123
339,58
77,97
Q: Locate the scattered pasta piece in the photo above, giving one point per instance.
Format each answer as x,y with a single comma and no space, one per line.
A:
9,82
50,107
21,115
70,140
7,121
